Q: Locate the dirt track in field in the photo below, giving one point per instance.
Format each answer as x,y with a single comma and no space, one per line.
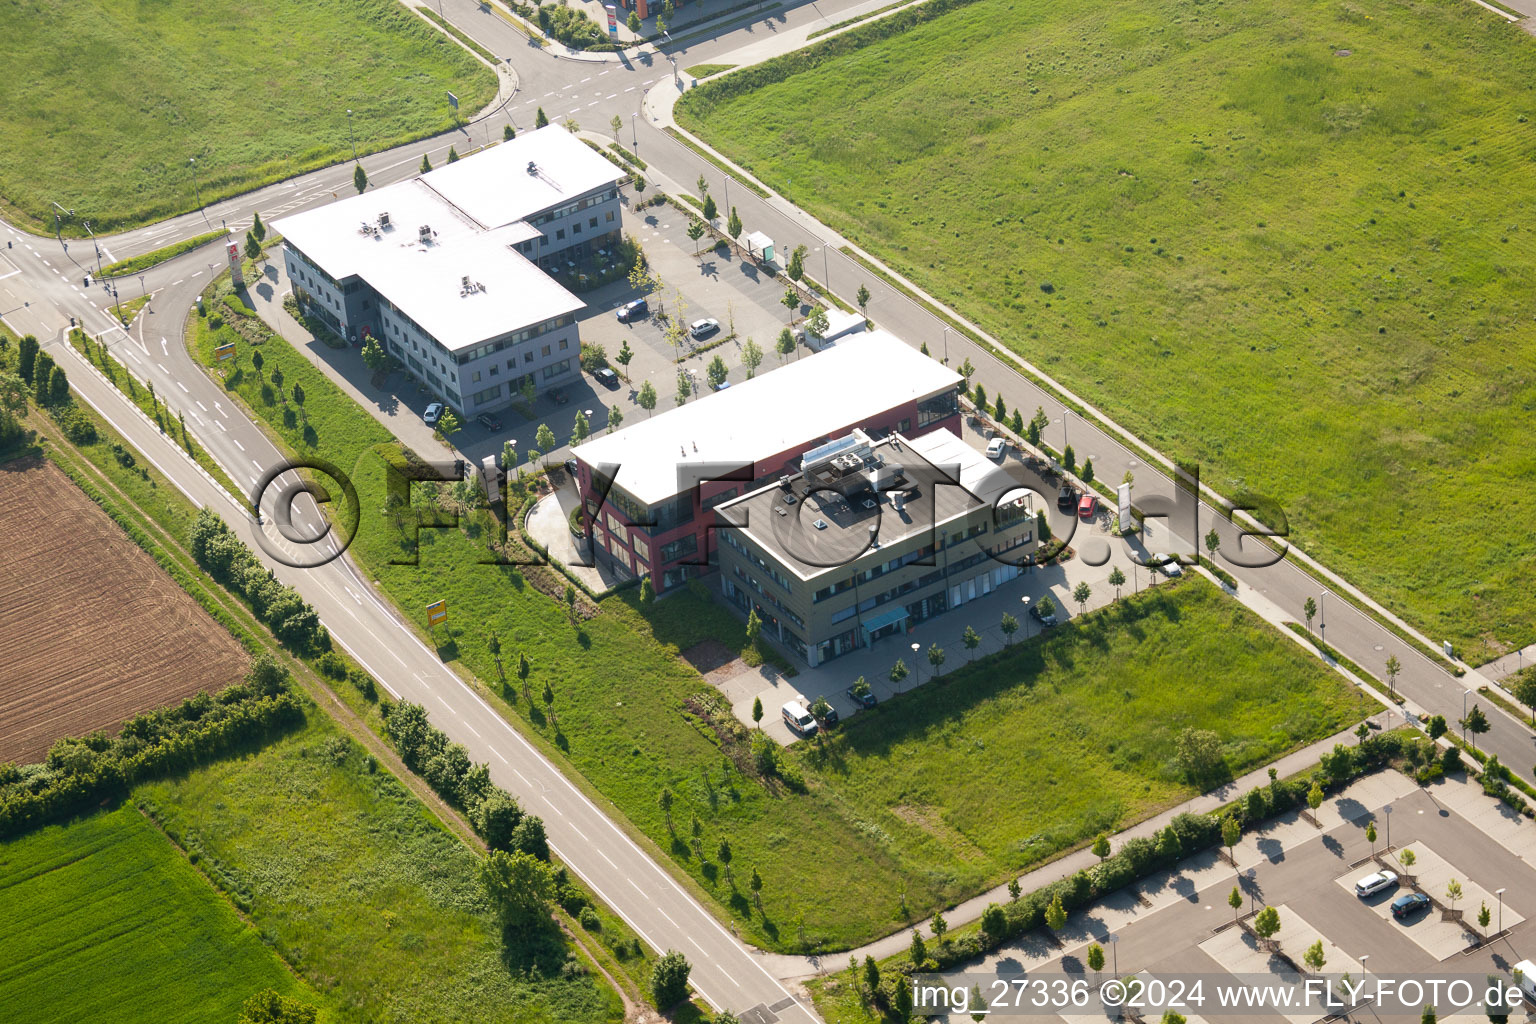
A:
92,631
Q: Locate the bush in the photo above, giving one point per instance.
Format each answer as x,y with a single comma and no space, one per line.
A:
229,561
80,773
77,426
590,921
593,357
1450,761
669,980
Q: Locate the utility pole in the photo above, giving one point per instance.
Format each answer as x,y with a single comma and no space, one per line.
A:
98,248
946,346
192,162
57,229
634,134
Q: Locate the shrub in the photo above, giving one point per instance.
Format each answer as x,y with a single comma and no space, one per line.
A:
593,357
590,921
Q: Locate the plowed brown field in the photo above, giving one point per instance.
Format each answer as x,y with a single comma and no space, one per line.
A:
92,631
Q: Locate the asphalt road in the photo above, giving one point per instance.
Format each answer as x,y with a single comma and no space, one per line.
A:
42,284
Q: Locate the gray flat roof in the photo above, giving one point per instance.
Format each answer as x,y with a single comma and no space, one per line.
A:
785,524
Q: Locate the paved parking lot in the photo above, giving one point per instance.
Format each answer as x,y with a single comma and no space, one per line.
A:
1179,921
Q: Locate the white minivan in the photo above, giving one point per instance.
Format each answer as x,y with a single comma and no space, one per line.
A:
799,719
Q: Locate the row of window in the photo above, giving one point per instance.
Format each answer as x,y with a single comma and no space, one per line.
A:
469,355
729,538
545,352
575,207
772,599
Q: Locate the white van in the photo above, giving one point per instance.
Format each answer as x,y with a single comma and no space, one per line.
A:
799,720
1525,975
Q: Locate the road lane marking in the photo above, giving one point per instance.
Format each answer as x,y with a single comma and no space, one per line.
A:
175,283
473,730
255,463
162,368
639,890
237,443
183,387
215,422
200,405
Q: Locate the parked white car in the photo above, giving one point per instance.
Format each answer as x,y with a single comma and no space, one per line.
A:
799,719
996,447
1370,885
1167,565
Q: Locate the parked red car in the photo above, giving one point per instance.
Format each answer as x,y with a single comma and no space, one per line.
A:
1087,506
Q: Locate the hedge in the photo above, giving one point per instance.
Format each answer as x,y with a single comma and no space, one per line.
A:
80,773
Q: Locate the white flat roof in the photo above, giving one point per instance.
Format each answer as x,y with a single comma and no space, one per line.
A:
423,276
495,186
759,418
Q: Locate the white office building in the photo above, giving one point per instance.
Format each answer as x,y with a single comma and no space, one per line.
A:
458,271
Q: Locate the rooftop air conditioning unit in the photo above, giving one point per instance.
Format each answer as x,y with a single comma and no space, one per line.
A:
869,503
384,219
898,500
533,168
820,524
784,482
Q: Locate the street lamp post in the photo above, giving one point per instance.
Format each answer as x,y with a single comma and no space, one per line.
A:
946,346
1026,616
352,135
675,80
634,133
1387,810
917,669
142,291
1064,446
1500,894
1114,951
1363,969
196,187
1463,716
98,248
1322,617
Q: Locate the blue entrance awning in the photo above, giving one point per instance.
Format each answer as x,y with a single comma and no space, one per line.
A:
884,619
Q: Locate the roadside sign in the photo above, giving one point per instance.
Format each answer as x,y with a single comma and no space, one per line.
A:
225,352
613,22
1123,494
235,273
437,613
453,101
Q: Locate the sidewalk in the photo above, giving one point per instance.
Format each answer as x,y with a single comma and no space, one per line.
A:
1249,852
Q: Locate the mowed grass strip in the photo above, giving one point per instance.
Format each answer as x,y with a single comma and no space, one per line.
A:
623,719
1242,229
1048,743
107,100
106,921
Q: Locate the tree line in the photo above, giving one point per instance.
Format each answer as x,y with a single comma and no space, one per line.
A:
228,560
82,772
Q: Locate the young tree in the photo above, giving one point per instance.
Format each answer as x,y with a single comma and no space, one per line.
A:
1476,722
684,386
1266,924
664,801
1045,606
616,123
1314,957
647,397
374,356
570,602
1116,580
1428,1016
523,668
695,232
898,673
1101,846
1231,832
540,119
936,659
519,887
26,357
1014,890
623,358
751,357
359,179
1056,914
1437,727
1453,893
669,980
754,627
1095,959
1009,626
508,133
733,225
252,247
980,398
862,298
544,438
634,22
647,591
716,372
1081,593
1212,543
723,854
940,929
757,712
755,883
1483,917
785,346
1068,457
453,155
816,323
58,392
256,362
580,428
972,640
615,419
1394,667
710,209
1309,609
919,950
871,974
1315,796
1407,859
791,302
1235,901
258,228
447,425
796,268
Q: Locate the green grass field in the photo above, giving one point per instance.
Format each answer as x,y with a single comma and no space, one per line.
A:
106,100
1289,241
628,732
350,879
106,921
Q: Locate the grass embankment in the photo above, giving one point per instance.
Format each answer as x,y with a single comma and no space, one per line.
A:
632,718
1093,187
705,70
254,93
454,31
153,406
105,920
143,261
